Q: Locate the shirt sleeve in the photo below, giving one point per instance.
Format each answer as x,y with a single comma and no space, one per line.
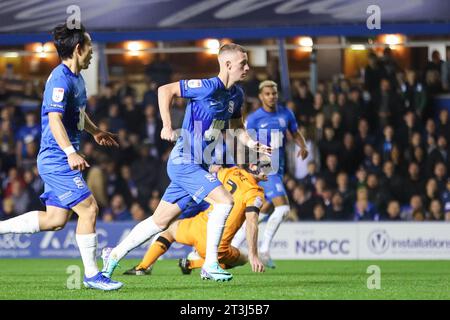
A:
56,95
197,89
293,126
254,200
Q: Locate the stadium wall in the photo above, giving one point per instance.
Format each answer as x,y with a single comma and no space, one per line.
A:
324,240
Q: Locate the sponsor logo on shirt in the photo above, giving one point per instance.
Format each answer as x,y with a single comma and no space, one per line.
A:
58,94
194,83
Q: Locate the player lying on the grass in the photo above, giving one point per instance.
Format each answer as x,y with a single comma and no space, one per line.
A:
248,199
59,162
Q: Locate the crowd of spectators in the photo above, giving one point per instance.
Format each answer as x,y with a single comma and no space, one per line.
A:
379,151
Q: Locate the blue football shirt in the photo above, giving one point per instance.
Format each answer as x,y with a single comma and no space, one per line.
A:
270,128
210,108
65,92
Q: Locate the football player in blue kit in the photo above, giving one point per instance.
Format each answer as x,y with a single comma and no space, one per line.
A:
59,162
215,104
271,122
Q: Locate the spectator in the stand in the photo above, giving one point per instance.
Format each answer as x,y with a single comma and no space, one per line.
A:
393,211
430,129
115,121
130,190
7,145
377,195
414,182
106,99
318,103
345,190
20,197
433,84
122,89
329,145
319,212
364,210
330,171
159,70
151,94
337,125
337,211
408,127
310,179
13,176
7,209
415,205
251,85
144,172
300,166
117,210
440,153
303,98
392,182
302,203
443,126
353,110
137,212
387,142
387,104
431,191
390,66
440,174
113,181
319,127
413,94
435,212
361,177
330,106
435,64
152,132
153,202
28,160
363,135
372,74
349,156
375,165
28,133
132,116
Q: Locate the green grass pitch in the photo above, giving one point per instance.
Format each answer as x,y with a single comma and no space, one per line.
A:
291,280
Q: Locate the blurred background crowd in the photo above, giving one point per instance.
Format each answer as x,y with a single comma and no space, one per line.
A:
379,148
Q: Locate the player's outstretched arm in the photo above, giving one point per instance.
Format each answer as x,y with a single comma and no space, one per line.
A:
166,93
251,219
103,138
246,139
76,162
300,141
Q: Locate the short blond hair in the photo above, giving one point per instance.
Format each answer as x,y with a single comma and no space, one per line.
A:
267,84
231,47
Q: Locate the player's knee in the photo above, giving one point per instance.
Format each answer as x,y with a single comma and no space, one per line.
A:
56,222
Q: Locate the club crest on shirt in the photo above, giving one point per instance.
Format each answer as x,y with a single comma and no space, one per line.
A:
58,94
194,83
231,106
282,122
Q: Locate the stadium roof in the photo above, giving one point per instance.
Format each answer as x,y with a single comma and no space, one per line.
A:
117,20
